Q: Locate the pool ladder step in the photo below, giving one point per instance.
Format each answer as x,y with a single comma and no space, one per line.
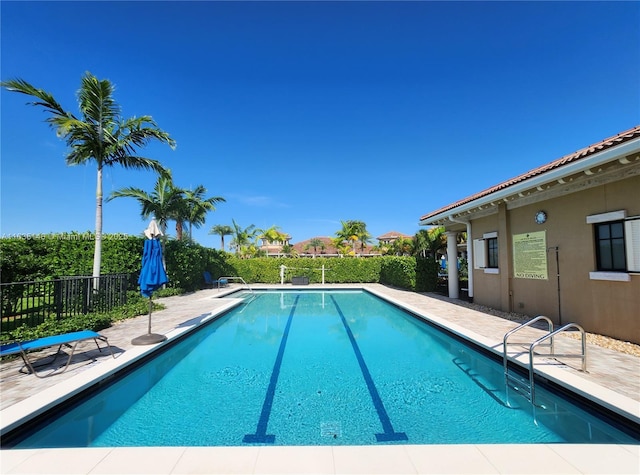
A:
519,384
529,390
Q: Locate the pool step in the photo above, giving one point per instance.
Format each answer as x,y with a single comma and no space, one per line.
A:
518,384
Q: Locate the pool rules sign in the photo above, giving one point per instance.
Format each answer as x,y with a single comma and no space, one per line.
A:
530,256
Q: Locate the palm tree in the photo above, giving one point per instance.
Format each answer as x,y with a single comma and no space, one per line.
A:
429,242
402,246
353,231
363,236
315,243
346,234
273,236
180,212
222,230
100,135
289,251
242,239
198,206
342,247
164,203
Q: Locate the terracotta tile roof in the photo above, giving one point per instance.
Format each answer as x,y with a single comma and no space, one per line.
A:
567,159
329,248
393,235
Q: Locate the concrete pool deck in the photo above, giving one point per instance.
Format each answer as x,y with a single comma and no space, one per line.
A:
613,379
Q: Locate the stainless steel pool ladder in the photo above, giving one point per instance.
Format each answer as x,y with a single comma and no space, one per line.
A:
240,279
530,389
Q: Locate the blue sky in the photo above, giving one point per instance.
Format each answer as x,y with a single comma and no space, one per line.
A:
303,114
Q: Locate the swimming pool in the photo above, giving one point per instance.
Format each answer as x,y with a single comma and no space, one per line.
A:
317,368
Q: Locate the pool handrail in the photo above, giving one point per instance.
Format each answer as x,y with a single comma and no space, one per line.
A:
539,341
505,355
234,278
505,351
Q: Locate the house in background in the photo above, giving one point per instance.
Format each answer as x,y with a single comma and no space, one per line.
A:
389,238
328,249
562,240
273,248
325,247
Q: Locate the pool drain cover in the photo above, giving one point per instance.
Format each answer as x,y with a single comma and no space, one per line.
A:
331,429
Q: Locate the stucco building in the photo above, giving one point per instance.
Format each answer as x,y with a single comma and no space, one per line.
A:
391,237
562,240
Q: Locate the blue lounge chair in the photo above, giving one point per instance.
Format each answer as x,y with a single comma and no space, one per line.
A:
210,283
70,340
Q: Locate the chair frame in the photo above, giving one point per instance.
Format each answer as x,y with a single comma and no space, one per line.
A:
69,340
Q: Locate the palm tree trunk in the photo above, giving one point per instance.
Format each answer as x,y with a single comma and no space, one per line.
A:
97,253
222,241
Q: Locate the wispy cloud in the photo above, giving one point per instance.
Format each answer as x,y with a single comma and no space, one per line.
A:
322,221
259,201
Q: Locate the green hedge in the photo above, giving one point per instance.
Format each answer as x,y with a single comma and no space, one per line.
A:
56,255
186,263
68,254
399,272
427,274
25,259
391,270
337,270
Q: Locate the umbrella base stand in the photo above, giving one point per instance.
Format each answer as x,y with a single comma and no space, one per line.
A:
148,339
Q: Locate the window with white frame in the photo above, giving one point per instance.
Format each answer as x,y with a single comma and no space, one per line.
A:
485,253
617,245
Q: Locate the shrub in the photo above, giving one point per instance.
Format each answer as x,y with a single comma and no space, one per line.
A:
426,274
399,272
187,261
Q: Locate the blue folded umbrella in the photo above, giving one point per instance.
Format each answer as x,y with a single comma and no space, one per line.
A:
152,275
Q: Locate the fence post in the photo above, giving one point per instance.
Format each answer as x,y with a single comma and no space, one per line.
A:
123,288
86,295
57,297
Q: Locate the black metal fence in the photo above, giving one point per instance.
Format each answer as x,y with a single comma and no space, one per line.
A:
32,303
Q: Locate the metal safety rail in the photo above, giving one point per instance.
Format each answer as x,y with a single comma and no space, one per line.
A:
235,278
539,341
542,341
508,377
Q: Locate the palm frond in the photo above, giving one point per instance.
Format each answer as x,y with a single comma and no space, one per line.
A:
138,131
96,102
134,163
46,100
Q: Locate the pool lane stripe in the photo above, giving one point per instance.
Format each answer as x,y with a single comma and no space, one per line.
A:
261,436
389,434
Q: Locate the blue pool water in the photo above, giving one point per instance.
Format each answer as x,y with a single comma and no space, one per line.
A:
318,368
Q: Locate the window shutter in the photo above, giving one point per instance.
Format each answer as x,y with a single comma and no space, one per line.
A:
479,254
632,243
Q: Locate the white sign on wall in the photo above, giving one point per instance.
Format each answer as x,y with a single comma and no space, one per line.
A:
530,256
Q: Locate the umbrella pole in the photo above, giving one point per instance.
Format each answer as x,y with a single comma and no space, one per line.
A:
149,338
150,306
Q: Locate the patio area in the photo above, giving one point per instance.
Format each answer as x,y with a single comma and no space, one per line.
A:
612,379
